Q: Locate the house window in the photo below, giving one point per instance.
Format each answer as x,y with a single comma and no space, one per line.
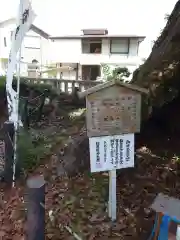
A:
5,43
119,46
95,47
91,46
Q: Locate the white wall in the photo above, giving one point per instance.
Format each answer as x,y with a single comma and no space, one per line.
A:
32,40
5,32
65,50
38,47
106,57
35,47
70,50
131,61
45,49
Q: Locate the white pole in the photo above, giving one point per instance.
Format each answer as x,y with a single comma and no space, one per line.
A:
112,195
41,57
16,124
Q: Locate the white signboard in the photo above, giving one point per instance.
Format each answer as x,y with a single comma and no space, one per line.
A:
111,152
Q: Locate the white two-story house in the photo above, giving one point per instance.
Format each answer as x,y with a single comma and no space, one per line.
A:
82,56
34,47
87,53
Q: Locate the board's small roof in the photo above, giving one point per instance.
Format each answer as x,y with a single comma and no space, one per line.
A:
107,84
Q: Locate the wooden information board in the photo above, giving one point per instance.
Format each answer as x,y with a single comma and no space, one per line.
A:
115,110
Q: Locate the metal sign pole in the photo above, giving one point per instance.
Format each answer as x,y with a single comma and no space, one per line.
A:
112,195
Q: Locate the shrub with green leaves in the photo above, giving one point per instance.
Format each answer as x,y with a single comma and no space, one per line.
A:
31,149
119,73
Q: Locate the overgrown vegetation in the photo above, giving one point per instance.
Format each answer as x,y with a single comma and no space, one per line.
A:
120,73
45,114
160,73
31,149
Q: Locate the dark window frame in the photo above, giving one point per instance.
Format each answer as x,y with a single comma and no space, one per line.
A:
122,53
5,42
89,41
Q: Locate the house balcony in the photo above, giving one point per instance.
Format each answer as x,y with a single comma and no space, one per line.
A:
97,59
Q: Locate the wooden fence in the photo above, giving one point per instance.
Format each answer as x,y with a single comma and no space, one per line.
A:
63,85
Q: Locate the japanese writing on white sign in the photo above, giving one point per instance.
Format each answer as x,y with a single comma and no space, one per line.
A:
111,152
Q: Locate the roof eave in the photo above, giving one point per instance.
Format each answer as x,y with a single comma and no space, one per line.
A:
96,36
102,86
39,31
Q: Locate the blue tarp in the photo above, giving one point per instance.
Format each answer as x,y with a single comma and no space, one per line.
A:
164,227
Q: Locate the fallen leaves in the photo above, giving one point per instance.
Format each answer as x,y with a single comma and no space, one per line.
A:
76,207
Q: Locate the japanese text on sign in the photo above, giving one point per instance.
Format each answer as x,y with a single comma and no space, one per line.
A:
111,115
111,152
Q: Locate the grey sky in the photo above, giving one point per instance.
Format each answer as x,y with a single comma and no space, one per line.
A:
60,17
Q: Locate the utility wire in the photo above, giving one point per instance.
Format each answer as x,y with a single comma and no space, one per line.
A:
32,98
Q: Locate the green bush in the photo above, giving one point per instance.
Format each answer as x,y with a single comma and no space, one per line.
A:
2,81
40,87
31,149
119,73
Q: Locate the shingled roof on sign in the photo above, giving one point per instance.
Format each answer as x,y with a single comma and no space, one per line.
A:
102,86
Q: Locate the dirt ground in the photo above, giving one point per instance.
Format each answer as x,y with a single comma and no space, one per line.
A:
79,203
